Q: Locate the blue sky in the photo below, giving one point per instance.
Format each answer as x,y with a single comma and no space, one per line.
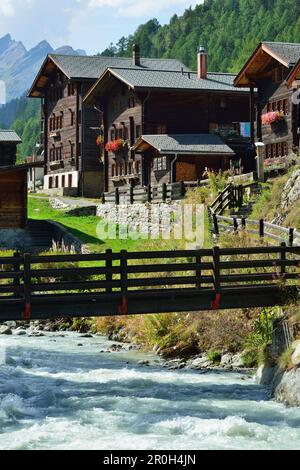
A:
84,24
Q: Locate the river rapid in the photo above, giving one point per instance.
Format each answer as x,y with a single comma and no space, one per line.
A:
55,394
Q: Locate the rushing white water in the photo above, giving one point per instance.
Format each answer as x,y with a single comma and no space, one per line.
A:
57,395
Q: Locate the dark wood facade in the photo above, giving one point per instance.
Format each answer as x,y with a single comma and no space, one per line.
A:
268,72
13,198
128,114
8,153
68,136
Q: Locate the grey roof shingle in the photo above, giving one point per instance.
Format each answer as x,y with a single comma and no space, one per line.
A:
91,67
9,136
289,52
188,143
176,80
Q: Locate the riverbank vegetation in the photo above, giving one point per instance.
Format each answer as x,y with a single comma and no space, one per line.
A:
184,334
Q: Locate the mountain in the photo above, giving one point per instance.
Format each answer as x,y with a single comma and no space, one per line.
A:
230,30
18,66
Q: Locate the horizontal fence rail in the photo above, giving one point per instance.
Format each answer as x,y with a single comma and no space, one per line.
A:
232,196
37,287
152,193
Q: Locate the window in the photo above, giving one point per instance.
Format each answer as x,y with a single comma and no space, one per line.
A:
278,150
125,132
50,182
281,105
71,89
137,131
63,181
131,102
137,167
160,164
161,129
113,133
72,147
70,182
72,118
130,168
61,120
56,182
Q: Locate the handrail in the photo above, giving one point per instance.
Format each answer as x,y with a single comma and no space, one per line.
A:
237,223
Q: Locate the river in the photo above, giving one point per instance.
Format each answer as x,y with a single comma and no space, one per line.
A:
55,394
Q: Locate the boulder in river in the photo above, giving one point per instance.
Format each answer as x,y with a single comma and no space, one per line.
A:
5,330
201,362
20,332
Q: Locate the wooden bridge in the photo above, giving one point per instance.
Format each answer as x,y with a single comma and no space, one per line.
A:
44,287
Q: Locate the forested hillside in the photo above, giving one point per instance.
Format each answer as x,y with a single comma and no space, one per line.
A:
230,29
22,115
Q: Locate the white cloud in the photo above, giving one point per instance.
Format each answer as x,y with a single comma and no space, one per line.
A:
139,8
7,8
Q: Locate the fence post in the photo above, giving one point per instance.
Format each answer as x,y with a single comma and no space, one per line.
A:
283,259
149,193
216,273
131,195
215,224
261,228
198,271
108,265
27,285
291,236
240,195
182,189
123,307
17,264
164,192
235,224
117,197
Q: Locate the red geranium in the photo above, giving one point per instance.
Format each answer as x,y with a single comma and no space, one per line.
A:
115,145
273,116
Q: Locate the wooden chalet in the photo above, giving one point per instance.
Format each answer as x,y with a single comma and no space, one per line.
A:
13,183
189,112
274,69
69,129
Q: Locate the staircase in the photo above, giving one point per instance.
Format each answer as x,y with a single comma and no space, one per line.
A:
40,236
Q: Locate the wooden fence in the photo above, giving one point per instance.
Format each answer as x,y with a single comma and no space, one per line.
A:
159,193
231,197
38,287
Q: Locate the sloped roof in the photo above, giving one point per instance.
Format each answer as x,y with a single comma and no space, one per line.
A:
9,136
165,79
289,52
92,67
186,144
294,74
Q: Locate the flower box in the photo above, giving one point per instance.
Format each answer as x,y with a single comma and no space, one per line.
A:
116,146
273,116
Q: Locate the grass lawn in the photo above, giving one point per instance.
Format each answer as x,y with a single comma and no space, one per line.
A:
85,228
82,227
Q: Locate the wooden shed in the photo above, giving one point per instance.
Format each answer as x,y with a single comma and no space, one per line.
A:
9,141
13,196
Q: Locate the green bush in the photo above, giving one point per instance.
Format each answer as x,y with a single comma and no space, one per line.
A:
214,356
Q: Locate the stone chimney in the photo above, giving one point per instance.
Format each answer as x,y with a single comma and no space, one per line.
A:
202,63
136,55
